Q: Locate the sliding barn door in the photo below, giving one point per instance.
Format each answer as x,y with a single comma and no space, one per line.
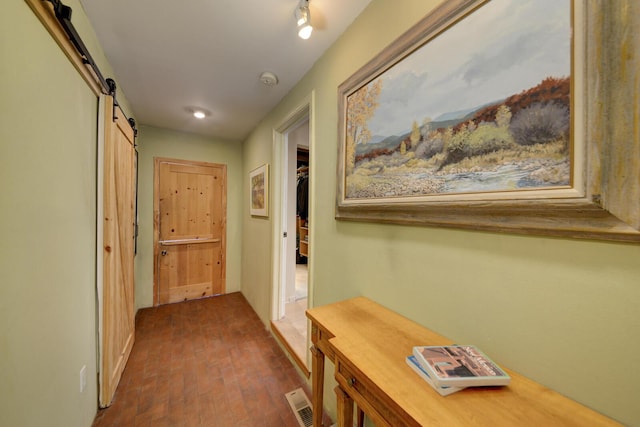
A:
190,205
117,302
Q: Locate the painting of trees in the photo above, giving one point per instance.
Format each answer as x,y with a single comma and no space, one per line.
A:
519,142
480,122
360,108
415,134
477,125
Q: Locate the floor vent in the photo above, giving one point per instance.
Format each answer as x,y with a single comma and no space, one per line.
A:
300,406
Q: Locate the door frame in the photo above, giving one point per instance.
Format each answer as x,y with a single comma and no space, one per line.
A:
304,110
156,222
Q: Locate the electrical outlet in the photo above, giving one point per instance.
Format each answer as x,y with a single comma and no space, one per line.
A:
83,378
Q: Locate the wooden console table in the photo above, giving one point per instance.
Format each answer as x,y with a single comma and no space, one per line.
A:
368,345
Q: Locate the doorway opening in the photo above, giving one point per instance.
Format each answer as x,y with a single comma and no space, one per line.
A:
292,240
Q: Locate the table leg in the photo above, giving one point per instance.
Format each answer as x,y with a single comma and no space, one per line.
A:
317,384
345,408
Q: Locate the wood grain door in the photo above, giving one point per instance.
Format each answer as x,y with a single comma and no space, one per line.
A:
118,234
190,247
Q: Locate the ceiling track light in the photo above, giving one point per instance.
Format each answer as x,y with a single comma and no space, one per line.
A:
303,19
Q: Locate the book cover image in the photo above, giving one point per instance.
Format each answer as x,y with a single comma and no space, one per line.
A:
443,391
460,365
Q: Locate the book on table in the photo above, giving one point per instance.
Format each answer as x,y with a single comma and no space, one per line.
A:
459,366
444,391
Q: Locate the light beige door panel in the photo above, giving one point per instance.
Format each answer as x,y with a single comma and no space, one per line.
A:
117,304
190,271
190,230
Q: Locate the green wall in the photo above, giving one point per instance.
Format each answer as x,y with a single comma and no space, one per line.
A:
563,312
48,128
256,231
155,142
48,125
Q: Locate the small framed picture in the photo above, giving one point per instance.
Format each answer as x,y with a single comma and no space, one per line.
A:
259,191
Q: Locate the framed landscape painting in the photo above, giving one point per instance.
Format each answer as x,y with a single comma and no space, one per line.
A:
475,118
259,191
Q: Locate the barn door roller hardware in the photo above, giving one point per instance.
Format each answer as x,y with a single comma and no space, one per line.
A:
112,91
63,15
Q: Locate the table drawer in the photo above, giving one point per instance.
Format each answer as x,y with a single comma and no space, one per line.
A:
368,397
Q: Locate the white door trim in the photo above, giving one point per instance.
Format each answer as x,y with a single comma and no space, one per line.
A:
304,110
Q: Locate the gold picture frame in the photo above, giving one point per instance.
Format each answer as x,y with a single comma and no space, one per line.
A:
600,200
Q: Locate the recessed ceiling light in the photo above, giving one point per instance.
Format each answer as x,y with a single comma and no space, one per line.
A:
198,112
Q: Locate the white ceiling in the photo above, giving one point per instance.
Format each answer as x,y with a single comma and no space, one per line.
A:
169,56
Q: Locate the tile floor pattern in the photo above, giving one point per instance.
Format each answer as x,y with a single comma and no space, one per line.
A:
208,362
293,326
302,281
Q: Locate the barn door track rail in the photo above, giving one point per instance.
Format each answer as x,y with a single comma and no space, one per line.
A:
63,15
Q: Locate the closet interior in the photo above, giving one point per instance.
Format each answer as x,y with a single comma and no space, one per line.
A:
302,207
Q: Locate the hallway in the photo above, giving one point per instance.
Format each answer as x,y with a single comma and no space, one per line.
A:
208,362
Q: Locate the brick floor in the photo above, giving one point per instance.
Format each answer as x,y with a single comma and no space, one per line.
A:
208,362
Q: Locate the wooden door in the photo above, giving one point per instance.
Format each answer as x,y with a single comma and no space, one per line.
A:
117,303
190,210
